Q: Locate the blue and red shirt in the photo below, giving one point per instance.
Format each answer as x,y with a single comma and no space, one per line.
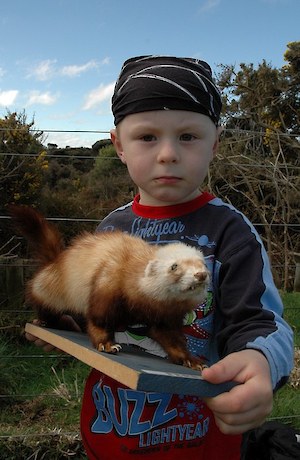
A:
243,310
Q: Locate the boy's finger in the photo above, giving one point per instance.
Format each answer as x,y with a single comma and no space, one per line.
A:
224,371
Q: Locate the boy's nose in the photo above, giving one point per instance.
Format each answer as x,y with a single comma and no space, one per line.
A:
168,152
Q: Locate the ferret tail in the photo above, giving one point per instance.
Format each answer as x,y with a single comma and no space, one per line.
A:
44,239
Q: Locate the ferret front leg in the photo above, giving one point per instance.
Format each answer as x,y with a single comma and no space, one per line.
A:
102,339
174,343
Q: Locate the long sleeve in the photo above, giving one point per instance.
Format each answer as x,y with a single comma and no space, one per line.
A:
250,308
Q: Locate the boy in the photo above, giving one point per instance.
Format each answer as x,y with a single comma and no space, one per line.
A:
167,113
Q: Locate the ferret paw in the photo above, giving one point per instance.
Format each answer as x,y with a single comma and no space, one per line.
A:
116,348
194,365
109,348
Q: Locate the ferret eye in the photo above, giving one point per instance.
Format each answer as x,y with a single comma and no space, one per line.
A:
174,267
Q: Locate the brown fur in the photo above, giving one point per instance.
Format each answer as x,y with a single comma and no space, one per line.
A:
115,280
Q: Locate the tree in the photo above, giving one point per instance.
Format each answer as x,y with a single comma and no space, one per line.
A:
109,178
258,167
22,160
108,163
291,102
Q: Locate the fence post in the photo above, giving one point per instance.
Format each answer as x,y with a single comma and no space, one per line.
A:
12,282
297,274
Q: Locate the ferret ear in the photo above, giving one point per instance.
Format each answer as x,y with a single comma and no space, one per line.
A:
151,268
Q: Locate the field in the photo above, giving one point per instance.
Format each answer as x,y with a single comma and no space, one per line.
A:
40,397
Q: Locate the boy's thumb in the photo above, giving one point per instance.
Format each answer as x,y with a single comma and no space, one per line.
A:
222,371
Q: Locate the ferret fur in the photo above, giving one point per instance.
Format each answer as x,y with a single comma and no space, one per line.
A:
114,280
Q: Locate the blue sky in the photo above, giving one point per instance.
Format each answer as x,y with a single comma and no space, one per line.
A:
59,59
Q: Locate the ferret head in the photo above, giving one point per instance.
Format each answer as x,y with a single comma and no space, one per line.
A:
177,272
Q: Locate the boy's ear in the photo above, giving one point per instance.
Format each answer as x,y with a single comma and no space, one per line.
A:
117,144
217,141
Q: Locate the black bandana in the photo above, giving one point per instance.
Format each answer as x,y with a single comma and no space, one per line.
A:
165,83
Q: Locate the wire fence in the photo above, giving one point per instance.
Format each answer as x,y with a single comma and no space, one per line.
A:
287,418
55,153
266,165
275,133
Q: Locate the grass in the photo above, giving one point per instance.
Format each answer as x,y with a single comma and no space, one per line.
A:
39,416
291,302
56,447
46,386
286,400
287,406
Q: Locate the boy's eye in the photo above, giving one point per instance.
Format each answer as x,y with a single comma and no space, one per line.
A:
148,138
187,137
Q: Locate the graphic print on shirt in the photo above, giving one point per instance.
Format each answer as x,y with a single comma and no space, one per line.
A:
148,417
164,231
201,240
198,328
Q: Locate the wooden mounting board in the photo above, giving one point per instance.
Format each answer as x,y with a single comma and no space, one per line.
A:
132,367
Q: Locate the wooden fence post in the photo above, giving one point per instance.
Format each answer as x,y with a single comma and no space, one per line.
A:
297,274
11,283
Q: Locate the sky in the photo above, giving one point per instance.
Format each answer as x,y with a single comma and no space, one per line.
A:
59,59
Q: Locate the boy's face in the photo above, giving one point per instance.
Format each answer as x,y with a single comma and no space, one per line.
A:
167,153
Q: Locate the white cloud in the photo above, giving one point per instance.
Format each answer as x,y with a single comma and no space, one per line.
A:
275,2
37,97
44,70
98,95
7,98
47,69
74,70
105,61
208,5
71,139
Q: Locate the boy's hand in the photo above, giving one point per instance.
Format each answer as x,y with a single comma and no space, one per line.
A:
247,405
65,322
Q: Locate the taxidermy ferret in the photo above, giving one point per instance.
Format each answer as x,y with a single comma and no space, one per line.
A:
114,280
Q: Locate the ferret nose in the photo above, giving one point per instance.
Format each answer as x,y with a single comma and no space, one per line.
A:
201,276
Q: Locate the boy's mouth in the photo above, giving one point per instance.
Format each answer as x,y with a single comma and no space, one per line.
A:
168,179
